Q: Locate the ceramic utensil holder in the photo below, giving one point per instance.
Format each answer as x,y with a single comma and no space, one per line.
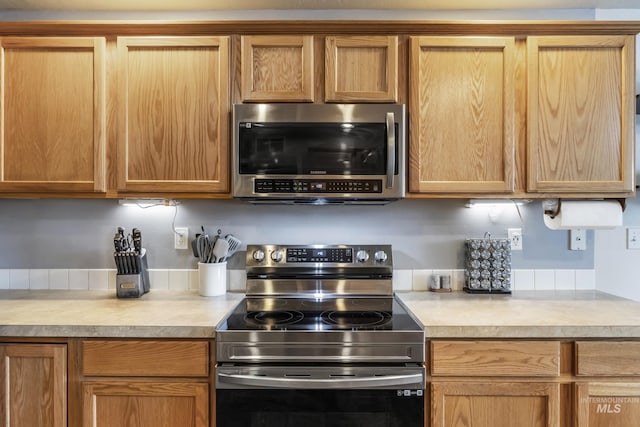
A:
212,278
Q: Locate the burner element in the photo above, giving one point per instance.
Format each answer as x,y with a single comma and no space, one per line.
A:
355,319
274,318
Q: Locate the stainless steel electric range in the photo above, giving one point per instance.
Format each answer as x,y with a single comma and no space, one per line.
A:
320,340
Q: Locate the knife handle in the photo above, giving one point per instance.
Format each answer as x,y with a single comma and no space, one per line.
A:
138,268
118,258
137,239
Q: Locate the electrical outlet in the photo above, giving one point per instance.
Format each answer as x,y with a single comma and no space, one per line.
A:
181,238
515,237
633,238
578,240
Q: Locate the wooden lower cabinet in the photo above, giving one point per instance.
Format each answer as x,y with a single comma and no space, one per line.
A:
33,385
145,404
607,393
607,404
496,383
144,383
495,404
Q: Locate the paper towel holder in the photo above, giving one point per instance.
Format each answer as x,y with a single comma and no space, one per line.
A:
551,207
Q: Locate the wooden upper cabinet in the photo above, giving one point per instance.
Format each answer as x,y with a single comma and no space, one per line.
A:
33,385
53,114
277,68
581,114
173,100
461,100
361,69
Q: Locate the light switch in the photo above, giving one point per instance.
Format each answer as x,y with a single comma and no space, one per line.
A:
633,238
578,240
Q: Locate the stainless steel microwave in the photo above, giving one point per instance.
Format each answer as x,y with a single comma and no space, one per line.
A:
319,153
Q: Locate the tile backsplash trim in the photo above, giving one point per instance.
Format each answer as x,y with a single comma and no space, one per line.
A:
175,279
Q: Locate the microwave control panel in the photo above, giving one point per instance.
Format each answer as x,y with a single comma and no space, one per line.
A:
264,186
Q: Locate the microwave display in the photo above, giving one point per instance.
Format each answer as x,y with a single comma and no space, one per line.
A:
312,149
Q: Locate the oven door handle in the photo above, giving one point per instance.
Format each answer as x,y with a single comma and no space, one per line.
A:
391,148
346,382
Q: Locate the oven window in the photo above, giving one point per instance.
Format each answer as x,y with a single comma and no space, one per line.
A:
317,408
312,148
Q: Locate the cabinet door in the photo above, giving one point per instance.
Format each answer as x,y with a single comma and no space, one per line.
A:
607,404
462,123
496,358
174,113
498,404
581,114
148,358
52,114
277,68
361,68
608,358
145,404
33,385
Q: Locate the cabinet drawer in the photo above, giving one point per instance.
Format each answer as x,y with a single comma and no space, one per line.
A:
145,358
607,358
495,358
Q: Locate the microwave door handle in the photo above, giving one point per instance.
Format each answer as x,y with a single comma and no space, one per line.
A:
391,148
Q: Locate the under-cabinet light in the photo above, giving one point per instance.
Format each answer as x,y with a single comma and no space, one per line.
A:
496,202
146,203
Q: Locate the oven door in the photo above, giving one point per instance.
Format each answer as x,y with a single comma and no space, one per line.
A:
319,396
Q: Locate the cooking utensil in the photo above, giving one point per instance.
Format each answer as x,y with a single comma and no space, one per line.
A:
220,250
234,245
204,248
194,246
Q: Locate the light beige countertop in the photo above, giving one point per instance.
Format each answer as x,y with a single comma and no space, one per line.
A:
158,314
172,314
530,314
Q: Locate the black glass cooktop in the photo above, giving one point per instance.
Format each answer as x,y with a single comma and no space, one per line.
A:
299,314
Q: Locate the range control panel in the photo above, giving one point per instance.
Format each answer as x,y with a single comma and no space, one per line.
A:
290,186
320,256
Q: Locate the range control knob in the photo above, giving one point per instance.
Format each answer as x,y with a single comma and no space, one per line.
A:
362,255
258,255
277,255
380,256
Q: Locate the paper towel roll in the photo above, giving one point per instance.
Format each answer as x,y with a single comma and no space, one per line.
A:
590,214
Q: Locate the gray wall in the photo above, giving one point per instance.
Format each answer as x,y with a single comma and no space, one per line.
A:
425,234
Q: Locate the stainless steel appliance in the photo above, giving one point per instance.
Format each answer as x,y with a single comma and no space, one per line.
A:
320,340
319,153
